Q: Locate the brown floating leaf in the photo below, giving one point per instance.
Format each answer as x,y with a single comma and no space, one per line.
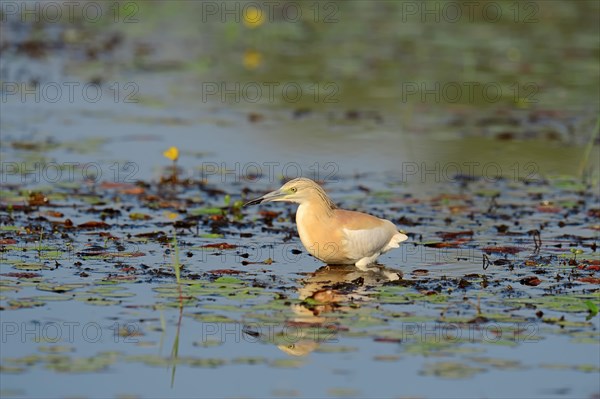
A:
124,188
457,208
450,235
7,241
112,184
407,222
595,213
269,214
463,283
591,280
387,339
152,234
591,261
53,214
548,208
21,275
37,199
184,224
502,228
132,191
94,225
503,250
478,320
533,281
255,117
220,245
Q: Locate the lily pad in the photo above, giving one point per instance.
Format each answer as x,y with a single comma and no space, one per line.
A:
59,288
451,370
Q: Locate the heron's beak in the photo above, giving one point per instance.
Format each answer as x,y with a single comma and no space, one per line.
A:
276,195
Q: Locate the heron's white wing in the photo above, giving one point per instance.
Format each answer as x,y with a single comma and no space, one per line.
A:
366,242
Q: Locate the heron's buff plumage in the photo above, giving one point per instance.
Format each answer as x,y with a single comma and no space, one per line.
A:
333,235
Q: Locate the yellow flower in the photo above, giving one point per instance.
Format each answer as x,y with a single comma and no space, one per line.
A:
171,215
252,59
253,17
172,153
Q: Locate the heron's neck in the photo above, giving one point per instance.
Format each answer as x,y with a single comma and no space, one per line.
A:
316,209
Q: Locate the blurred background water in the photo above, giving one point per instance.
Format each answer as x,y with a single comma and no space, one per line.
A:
365,85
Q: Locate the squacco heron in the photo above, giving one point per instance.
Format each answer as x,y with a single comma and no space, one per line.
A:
332,235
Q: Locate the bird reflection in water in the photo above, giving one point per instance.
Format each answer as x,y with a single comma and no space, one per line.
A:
325,293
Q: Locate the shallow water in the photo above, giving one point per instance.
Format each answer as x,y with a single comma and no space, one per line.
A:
472,305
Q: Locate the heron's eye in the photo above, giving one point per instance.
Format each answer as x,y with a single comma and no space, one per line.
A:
293,189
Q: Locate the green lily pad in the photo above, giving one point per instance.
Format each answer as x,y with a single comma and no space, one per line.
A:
67,364
25,303
228,280
139,216
31,266
52,298
504,364
205,211
211,318
250,360
201,362
211,235
59,288
56,349
97,301
12,369
209,343
111,291
562,303
451,370
10,228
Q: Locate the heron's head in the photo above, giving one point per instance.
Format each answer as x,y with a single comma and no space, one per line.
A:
299,190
